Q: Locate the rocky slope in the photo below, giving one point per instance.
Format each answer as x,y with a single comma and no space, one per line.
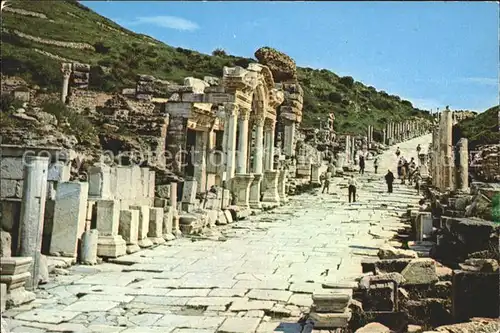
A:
38,35
481,129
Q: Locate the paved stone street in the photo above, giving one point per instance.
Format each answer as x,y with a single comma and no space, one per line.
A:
248,277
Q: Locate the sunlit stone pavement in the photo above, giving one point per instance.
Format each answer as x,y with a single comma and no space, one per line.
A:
249,276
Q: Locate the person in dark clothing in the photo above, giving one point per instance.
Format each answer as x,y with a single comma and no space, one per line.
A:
398,152
375,164
389,179
352,188
362,165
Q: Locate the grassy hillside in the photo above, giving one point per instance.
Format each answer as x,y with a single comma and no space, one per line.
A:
483,129
28,51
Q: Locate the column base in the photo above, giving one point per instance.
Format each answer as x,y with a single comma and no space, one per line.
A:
111,246
254,200
271,196
282,186
241,187
132,248
144,243
157,240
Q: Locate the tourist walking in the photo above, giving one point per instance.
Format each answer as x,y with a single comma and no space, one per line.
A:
418,181
375,164
400,167
418,149
362,164
352,188
398,152
326,182
389,179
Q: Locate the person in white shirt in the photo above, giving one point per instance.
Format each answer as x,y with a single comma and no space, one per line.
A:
352,188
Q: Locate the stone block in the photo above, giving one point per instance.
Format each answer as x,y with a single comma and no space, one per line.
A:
137,187
3,297
475,294
419,272
228,215
11,211
423,226
155,232
129,226
143,240
100,180
5,244
168,217
384,265
189,191
111,246
330,320
330,302
70,211
123,182
152,183
8,188
108,217
374,328
15,265
389,252
162,191
11,168
59,172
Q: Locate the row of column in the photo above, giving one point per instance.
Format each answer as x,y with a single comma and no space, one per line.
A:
263,181
401,131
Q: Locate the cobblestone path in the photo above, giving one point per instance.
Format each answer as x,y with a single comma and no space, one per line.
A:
247,277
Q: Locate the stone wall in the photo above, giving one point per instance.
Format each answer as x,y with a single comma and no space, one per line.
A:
84,99
486,163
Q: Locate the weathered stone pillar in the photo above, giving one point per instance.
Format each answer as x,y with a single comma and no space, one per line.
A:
435,158
66,72
353,149
348,148
241,166
32,213
463,165
289,138
269,146
282,186
231,119
200,159
257,164
384,136
446,149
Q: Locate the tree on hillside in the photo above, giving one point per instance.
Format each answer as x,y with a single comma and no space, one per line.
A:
218,52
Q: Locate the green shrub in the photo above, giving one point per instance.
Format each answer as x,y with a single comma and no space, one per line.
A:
219,52
8,103
335,97
347,81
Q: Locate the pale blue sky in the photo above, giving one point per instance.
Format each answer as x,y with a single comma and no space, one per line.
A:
431,53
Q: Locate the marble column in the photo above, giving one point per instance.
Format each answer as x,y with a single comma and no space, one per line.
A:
289,146
231,119
353,149
434,157
242,155
32,214
463,165
257,164
384,136
66,72
270,196
242,180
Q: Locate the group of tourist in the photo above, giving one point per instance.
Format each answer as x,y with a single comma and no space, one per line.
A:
406,170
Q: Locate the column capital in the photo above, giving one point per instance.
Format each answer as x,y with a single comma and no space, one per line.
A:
66,69
259,120
244,114
231,109
269,124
